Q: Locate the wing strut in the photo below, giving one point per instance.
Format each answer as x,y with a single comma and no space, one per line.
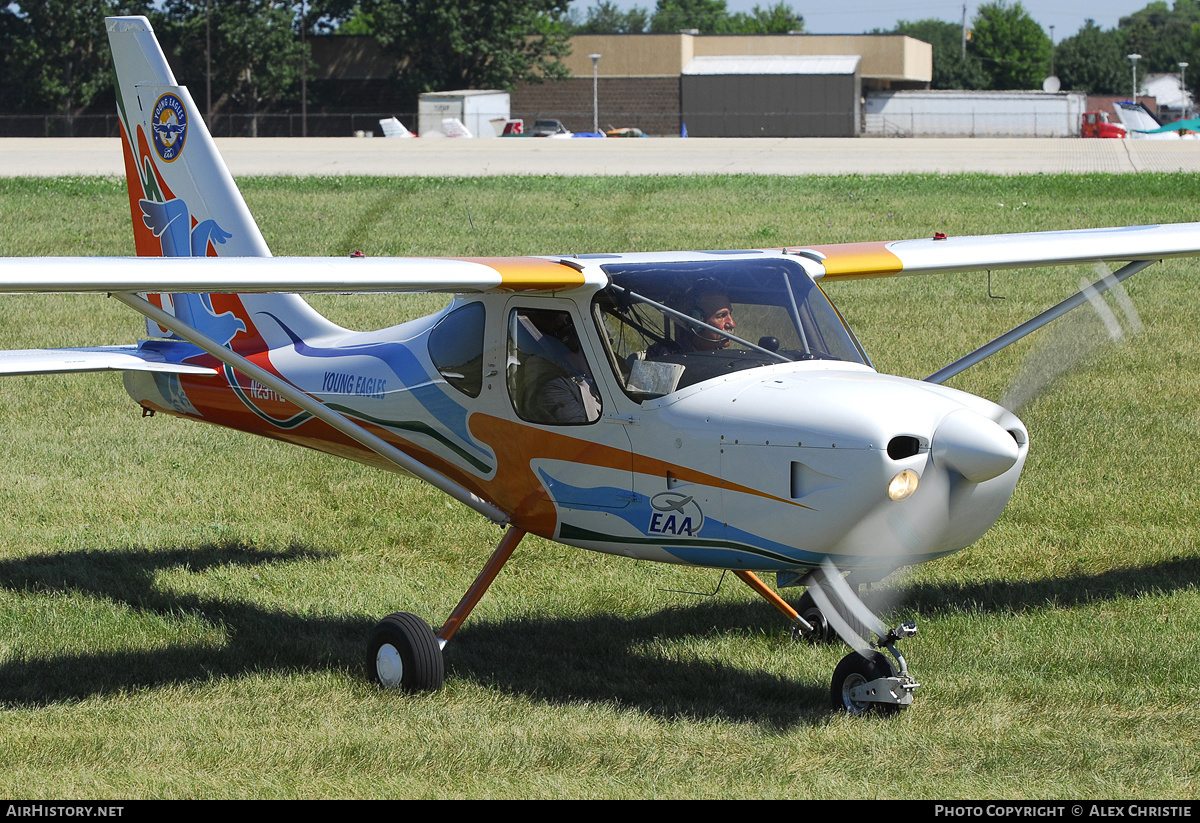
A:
1034,323
314,407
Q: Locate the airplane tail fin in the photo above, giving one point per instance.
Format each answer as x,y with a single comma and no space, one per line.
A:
394,128
183,201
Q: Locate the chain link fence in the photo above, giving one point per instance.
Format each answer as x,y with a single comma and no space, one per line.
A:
285,124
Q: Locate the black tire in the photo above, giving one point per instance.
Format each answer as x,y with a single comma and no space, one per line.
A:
808,609
855,669
403,653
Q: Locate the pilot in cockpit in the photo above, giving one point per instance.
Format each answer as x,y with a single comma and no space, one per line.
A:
708,302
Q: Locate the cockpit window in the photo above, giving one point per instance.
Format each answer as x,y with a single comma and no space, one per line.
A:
549,379
456,348
669,325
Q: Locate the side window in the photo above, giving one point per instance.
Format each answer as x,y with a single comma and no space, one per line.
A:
456,348
549,379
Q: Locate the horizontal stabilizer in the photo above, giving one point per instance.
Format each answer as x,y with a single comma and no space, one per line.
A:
97,358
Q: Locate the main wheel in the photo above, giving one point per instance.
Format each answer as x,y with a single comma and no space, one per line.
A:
811,612
823,632
403,653
854,670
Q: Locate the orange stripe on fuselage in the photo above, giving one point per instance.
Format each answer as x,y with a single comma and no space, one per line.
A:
531,273
517,490
515,487
847,260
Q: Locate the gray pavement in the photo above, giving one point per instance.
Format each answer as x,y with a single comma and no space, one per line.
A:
43,157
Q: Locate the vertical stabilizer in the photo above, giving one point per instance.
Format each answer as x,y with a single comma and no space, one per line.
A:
183,200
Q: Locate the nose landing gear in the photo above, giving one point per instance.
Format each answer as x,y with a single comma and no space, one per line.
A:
866,680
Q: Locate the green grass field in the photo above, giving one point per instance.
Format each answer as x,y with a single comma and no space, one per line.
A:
184,610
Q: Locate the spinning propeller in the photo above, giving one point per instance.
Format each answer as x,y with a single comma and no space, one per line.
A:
868,680
1071,342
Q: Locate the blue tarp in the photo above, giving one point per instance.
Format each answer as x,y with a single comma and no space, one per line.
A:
1181,125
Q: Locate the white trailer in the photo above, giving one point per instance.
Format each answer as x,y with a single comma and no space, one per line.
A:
973,113
483,112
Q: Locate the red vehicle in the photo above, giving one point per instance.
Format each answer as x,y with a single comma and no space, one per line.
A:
1096,124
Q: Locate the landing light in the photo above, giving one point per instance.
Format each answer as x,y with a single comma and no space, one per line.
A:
903,485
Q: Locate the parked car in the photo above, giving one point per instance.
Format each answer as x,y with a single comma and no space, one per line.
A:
549,128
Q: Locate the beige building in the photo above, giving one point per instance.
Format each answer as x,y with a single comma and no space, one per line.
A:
720,85
889,61
656,83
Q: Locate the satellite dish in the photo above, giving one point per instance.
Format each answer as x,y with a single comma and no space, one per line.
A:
1051,84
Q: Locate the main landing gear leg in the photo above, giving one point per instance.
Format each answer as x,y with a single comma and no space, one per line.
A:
404,653
800,626
865,680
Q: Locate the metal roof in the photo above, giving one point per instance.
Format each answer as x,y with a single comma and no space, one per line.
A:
774,64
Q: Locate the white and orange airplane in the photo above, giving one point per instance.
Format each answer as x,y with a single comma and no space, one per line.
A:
708,408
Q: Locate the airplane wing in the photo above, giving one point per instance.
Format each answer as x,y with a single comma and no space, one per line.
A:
1006,251
466,275
94,358
283,274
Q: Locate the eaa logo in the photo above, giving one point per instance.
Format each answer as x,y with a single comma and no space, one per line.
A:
169,122
675,514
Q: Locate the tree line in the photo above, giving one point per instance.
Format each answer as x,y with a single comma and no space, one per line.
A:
1006,49
54,53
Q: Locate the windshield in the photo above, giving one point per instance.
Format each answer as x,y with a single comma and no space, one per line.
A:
669,325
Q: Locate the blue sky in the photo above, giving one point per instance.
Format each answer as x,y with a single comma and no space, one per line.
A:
857,16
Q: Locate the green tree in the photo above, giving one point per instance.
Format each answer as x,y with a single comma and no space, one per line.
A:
1162,36
606,18
357,22
10,29
706,16
465,44
1093,61
256,52
1012,47
951,70
58,57
777,19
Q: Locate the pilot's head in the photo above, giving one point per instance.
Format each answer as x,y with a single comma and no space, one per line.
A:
710,303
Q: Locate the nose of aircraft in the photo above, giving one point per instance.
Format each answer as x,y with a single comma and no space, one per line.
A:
974,446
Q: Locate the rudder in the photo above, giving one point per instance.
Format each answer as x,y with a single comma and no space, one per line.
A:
182,198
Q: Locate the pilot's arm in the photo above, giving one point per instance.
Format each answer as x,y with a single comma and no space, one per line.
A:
562,401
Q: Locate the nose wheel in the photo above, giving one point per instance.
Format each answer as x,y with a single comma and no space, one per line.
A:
855,686
867,682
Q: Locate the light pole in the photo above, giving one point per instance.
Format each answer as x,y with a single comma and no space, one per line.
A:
595,93
207,67
303,72
1133,58
1052,51
1183,86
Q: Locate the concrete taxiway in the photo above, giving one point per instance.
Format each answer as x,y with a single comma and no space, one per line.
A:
44,157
